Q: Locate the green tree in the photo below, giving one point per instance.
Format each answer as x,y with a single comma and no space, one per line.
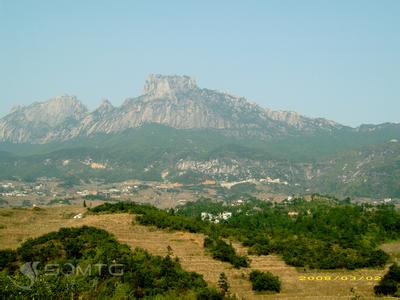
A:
265,281
390,283
170,252
223,284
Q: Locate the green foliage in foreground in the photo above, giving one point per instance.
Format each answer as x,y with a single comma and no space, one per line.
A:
265,281
390,283
323,233
222,251
88,263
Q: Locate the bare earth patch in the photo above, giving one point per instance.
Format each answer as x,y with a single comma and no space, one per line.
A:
392,248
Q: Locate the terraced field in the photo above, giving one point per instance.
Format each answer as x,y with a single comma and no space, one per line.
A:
16,225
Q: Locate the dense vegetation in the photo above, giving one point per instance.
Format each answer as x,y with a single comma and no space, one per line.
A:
149,215
57,201
323,233
222,251
88,263
265,281
390,283
96,197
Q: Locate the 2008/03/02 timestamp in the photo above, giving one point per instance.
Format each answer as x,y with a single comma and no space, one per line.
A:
339,278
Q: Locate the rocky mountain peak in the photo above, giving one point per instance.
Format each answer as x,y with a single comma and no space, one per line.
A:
16,108
105,102
40,121
105,106
182,105
62,108
65,99
52,112
167,86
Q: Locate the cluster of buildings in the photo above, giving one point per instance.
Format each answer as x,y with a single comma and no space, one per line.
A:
267,180
112,192
205,216
24,190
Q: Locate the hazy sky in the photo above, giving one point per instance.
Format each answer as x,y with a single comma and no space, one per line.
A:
334,59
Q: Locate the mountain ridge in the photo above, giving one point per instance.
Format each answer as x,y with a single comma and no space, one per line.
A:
169,100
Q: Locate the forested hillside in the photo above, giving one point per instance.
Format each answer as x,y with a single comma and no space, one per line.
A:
362,164
324,233
88,263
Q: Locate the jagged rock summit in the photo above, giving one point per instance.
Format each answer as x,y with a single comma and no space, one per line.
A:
52,112
105,107
173,100
160,86
42,121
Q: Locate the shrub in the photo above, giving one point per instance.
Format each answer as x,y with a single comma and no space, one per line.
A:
223,284
222,251
390,283
265,281
386,287
6,257
209,294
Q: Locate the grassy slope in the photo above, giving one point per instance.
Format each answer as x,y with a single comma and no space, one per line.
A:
16,225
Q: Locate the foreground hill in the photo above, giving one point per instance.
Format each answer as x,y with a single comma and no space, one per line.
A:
19,224
107,269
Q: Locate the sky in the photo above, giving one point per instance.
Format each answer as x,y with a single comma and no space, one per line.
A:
334,59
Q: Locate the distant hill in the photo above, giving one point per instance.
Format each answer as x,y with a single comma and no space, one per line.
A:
339,165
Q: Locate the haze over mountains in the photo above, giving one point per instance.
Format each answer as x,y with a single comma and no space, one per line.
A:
177,131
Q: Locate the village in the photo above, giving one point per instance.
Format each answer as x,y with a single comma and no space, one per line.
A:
46,191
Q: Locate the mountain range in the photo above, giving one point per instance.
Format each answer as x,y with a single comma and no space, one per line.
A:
174,101
178,131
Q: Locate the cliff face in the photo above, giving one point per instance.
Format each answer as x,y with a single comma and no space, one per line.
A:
174,101
42,122
159,86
